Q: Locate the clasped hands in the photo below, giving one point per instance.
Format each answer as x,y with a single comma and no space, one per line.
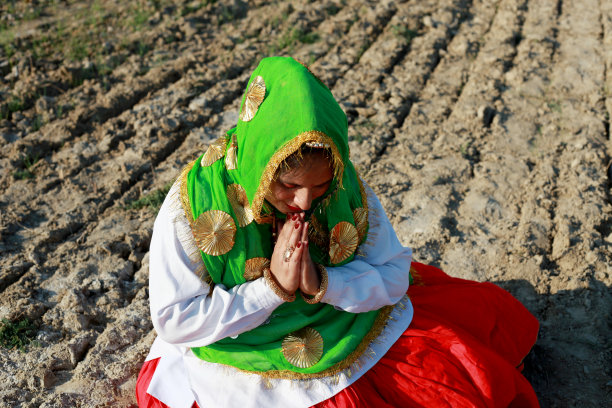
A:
291,265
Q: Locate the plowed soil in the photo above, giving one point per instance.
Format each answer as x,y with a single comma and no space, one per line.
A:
483,126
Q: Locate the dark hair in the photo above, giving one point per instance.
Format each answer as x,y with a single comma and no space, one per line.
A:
298,158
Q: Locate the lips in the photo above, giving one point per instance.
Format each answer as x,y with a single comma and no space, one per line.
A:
294,208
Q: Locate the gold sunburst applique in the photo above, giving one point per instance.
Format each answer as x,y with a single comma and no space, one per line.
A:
231,156
303,348
254,97
240,204
361,222
214,152
343,241
214,232
254,267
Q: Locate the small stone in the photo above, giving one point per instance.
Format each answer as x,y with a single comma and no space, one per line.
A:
190,29
48,379
169,124
197,103
591,258
77,349
486,114
5,67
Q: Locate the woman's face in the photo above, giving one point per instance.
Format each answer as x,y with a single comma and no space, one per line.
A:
294,190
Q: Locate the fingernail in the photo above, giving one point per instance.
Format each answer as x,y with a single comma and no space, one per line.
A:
294,217
297,225
299,244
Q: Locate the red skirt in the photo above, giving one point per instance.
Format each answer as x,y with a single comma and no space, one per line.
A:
464,348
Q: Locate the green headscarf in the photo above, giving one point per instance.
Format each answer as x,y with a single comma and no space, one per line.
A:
223,194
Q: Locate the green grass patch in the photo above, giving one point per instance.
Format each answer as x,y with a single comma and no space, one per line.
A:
17,335
194,6
6,41
27,162
16,104
142,49
37,123
78,48
278,20
13,105
227,15
464,149
139,18
554,106
404,32
152,201
332,10
290,38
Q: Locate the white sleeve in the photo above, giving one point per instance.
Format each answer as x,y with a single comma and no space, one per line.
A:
182,310
379,276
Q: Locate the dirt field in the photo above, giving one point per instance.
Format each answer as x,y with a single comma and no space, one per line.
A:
484,126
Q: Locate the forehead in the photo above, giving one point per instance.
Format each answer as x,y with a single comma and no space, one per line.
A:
312,169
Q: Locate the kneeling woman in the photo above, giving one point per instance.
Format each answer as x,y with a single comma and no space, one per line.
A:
276,279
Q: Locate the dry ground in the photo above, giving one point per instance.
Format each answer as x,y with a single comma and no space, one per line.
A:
484,126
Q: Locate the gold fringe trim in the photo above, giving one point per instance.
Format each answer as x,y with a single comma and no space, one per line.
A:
254,268
342,367
417,279
363,192
181,210
285,151
360,215
184,234
317,233
184,192
373,215
325,202
181,224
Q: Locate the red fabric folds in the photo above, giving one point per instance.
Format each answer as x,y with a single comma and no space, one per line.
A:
462,349
143,399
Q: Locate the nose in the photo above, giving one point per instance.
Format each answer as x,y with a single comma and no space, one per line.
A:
303,198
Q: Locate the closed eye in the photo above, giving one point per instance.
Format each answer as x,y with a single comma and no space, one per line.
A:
288,185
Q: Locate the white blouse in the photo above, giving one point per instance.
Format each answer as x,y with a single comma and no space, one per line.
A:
186,315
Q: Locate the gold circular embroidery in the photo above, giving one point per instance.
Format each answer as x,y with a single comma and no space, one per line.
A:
254,98
214,232
240,204
215,151
361,222
343,241
303,348
231,155
254,267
